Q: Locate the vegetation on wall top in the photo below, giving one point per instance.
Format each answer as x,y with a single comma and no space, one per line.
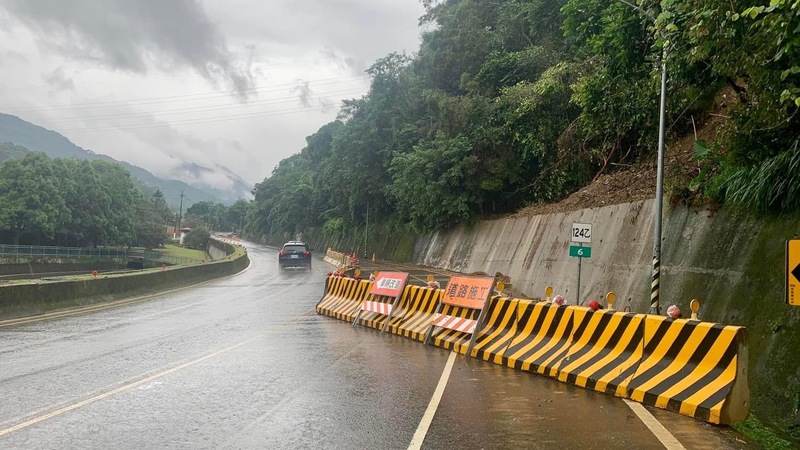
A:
509,103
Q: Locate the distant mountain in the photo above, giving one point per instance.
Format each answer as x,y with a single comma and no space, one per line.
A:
198,185
9,150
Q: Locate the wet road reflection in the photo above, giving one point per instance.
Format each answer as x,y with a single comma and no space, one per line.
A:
246,363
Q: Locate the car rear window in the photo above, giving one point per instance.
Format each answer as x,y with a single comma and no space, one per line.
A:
294,248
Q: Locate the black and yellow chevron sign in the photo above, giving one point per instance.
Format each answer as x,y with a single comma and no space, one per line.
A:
793,272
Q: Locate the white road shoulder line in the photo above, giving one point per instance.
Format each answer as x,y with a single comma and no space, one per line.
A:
427,418
661,433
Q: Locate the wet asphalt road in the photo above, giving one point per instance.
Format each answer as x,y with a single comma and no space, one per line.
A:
245,362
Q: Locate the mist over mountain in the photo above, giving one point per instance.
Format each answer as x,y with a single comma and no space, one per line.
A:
220,181
198,183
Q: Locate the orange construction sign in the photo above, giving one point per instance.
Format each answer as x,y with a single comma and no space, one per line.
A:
390,284
468,292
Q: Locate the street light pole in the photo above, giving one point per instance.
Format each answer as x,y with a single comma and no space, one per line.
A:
656,280
366,232
662,113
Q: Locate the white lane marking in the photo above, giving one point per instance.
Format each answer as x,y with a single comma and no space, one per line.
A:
661,433
148,380
120,389
427,418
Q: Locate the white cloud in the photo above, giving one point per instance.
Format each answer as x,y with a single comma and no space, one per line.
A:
151,82
59,80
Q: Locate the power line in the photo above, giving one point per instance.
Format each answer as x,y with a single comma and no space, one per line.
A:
183,97
198,121
200,109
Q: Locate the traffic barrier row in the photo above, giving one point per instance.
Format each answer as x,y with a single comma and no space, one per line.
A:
694,368
338,259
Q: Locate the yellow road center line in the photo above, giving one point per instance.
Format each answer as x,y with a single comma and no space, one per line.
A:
661,433
427,417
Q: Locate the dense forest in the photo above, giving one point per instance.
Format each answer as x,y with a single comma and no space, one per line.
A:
516,102
71,202
75,203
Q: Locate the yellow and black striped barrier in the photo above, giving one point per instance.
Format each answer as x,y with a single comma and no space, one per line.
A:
415,313
343,297
687,366
542,338
694,368
605,350
495,337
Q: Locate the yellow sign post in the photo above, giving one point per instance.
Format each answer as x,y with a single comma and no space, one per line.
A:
793,272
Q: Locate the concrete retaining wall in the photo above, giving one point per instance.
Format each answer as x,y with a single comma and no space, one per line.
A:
218,249
533,251
733,264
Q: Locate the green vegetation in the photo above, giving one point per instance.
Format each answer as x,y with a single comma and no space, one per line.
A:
9,150
216,216
75,203
762,436
182,252
197,239
29,137
509,103
70,202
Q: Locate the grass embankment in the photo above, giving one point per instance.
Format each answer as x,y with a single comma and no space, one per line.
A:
174,251
181,252
761,435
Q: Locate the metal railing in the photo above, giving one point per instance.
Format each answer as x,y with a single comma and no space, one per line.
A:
90,252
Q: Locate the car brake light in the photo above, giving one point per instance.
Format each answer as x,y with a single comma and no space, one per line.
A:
306,252
283,253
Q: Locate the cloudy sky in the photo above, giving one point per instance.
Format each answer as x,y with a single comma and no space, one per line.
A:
239,83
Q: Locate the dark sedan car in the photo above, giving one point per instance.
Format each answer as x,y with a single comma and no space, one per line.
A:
294,254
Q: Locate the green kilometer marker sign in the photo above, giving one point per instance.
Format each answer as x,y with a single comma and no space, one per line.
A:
580,252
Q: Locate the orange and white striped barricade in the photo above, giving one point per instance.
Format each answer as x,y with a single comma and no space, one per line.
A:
464,292
386,284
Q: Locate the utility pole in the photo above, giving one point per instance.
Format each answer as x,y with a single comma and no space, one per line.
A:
366,231
180,212
208,215
655,285
656,280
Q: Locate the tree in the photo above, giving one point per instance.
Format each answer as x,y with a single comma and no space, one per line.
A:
197,239
236,216
123,200
32,202
88,202
152,215
434,185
